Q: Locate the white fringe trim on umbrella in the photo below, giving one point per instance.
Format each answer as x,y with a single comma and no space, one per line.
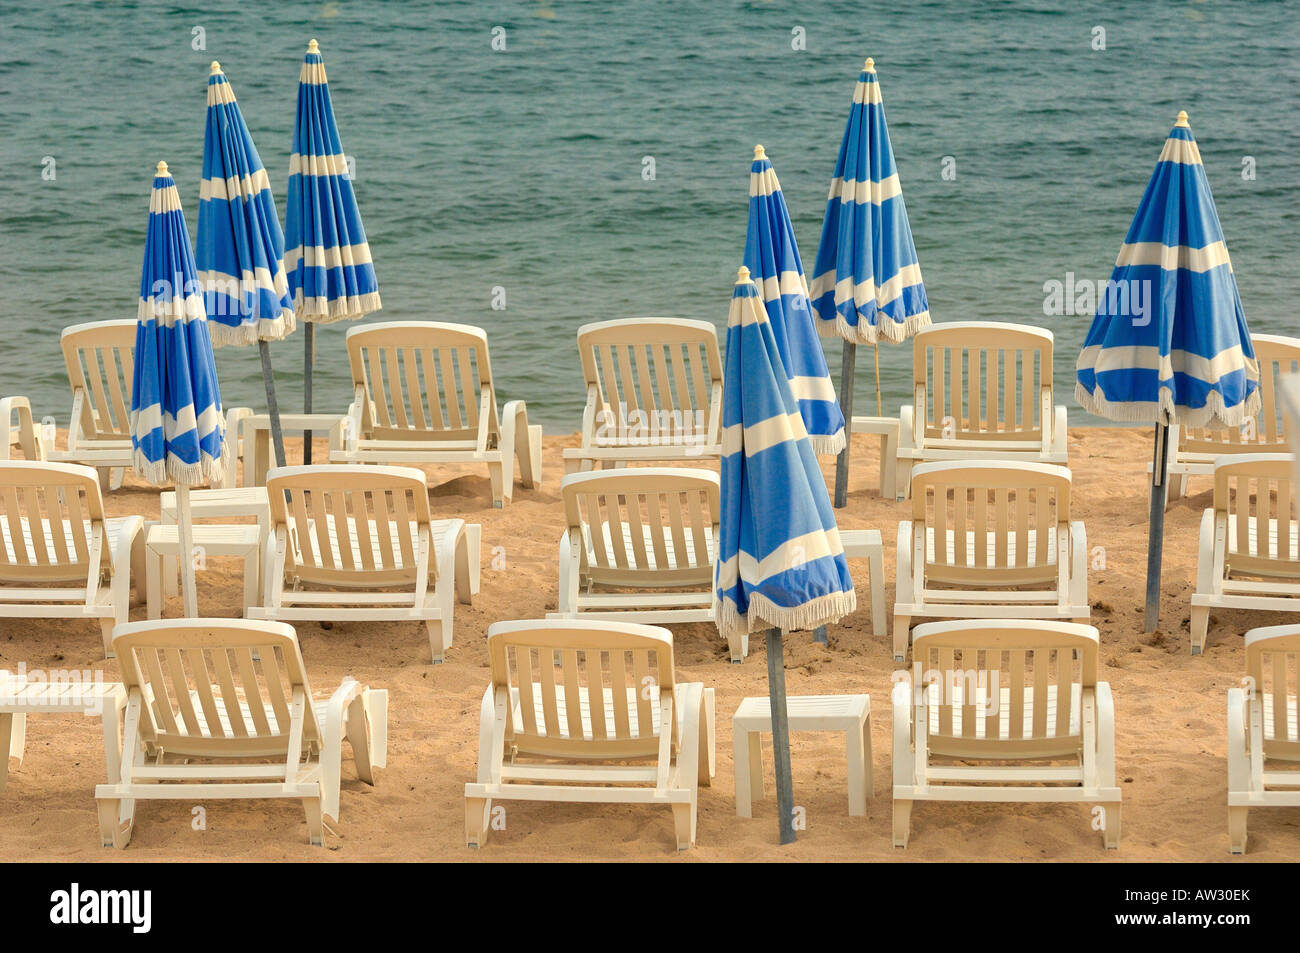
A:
766,614
1214,415
864,332
174,470
325,311
241,335
824,444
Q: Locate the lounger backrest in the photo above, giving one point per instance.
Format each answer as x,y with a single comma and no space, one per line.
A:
1273,680
217,687
976,380
100,359
626,521
1255,492
423,380
352,525
972,673
1266,433
587,690
654,379
992,522
50,517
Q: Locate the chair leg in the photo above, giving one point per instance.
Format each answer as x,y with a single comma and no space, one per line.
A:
902,633
477,820
106,631
708,740
902,821
315,823
114,830
1111,829
858,769
742,773
116,475
1200,628
738,644
684,823
496,475
437,643
876,570
153,585
1237,829
6,735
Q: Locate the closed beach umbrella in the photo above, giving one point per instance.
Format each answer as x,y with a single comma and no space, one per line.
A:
1169,343
781,564
241,247
176,424
772,256
867,281
327,258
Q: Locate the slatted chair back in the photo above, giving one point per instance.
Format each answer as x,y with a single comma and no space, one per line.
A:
1254,494
644,526
980,381
51,522
655,380
220,688
992,523
358,526
586,690
1007,688
1266,433
100,359
1273,681
424,380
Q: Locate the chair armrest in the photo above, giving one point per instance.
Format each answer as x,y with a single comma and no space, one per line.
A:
1079,563
1205,582
902,701
29,438
589,419
1105,735
1059,429
350,425
715,414
485,416
906,434
1239,781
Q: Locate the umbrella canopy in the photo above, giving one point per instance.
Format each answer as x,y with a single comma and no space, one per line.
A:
772,256
177,431
240,249
867,281
176,423
780,560
331,277
1169,343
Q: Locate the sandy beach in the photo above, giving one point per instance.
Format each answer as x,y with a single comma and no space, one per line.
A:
1170,713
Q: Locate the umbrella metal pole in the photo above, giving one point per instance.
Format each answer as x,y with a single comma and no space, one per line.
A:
309,344
846,407
272,405
819,635
780,736
1156,530
185,538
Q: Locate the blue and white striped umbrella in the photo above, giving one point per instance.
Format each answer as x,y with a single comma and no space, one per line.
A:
240,248
176,422
331,276
772,256
1169,343
867,281
780,560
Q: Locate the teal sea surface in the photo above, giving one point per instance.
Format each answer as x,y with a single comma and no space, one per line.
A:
598,165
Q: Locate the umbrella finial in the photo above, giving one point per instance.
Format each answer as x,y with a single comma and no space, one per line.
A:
1182,118
760,152
216,67
313,47
162,169
869,65
742,276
